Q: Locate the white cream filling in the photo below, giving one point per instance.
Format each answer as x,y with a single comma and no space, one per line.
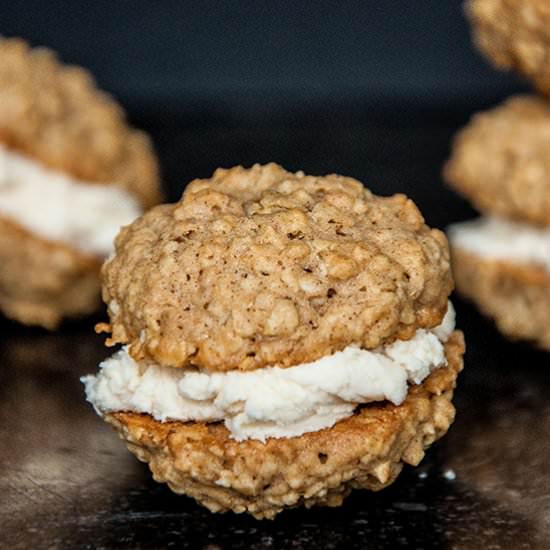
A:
56,207
272,401
501,239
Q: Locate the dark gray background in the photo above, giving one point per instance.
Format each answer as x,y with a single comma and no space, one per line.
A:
250,56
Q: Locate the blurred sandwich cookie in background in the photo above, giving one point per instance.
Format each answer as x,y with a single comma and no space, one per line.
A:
501,162
72,172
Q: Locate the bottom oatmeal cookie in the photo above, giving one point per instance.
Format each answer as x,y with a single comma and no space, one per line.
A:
364,451
42,282
516,296
503,266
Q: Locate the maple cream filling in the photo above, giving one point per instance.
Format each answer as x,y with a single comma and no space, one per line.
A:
502,239
271,401
53,205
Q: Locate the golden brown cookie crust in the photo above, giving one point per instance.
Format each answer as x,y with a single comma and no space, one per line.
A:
514,34
55,114
42,282
258,267
501,160
515,296
365,451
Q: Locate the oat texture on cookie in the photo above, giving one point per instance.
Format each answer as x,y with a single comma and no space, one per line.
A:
259,266
55,114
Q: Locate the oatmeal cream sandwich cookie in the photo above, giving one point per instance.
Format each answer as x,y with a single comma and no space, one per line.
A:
72,172
514,34
501,162
286,338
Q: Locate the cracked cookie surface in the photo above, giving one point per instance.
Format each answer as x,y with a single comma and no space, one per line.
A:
259,266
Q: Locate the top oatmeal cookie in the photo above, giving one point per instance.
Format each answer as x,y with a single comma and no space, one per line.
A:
501,160
514,34
259,266
55,114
